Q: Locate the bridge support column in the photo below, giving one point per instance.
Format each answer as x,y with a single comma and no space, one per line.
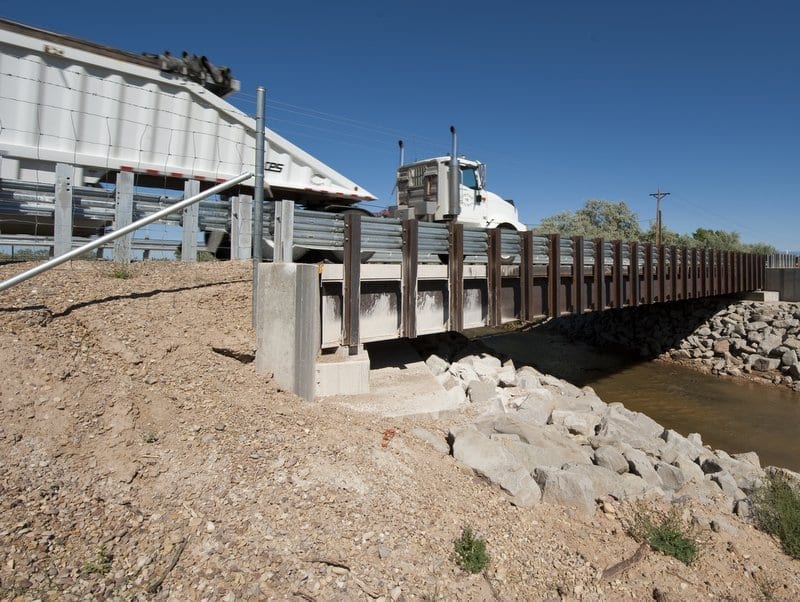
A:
288,334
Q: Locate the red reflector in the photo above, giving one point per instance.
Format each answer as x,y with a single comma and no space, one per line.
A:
175,174
152,172
126,168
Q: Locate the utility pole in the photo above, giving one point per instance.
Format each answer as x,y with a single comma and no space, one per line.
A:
658,195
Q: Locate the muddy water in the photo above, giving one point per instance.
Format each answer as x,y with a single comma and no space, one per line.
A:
731,415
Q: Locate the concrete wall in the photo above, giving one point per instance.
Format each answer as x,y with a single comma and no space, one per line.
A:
786,281
288,325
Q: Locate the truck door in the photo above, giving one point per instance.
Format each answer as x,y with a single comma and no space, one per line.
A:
472,209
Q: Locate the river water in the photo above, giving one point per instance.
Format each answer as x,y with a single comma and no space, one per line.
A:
733,415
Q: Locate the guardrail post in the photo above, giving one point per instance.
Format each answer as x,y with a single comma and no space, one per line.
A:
673,272
554,277
635,285
578,285
695,268
62,218
352,279
409,283
284,232
123,215
526,274
662,274
190,221
242,227
647,272
616,274
494,278
600,273
455,277
684,273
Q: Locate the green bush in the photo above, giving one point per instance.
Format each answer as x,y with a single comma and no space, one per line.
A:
667,534
101,564
470,551
776,508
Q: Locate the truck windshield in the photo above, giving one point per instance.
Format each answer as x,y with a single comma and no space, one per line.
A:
469,177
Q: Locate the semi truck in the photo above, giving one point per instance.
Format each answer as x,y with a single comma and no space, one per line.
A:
166,118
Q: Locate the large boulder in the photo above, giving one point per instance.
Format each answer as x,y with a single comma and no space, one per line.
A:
611,458
639,464
566,489
492,460
634,428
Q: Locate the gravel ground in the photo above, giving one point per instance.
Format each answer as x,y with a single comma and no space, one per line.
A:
142,458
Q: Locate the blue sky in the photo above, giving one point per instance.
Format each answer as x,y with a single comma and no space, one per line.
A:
564,101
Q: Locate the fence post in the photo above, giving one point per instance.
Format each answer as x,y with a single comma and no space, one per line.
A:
409,283
242,227
62,227
526,273
633,271
554,277
600,273
647,273
455,277
662,275
190,221
684,273
494,277
695,292
123,215
284,232
578,286
616,274
352,279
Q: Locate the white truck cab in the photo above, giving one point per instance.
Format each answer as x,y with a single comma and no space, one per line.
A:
424,193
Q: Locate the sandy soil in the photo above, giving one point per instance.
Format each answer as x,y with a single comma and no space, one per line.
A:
142,458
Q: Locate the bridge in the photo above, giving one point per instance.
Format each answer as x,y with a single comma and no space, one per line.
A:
405,278
384,278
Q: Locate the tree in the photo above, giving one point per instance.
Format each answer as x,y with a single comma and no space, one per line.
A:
597,218
668,237
719,240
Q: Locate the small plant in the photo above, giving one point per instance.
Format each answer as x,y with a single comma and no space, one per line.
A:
470,551
121,272
101,564
776,509
150,437
667,534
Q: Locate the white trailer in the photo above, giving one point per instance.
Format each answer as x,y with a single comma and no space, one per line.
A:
102,110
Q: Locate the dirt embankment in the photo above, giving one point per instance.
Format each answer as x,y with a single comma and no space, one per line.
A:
141,457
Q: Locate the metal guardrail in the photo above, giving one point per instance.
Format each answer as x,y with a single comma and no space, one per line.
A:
784,260
129,229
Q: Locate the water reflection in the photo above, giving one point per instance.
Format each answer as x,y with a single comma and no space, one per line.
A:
731,415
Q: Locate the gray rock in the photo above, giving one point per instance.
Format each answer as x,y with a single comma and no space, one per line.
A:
436,365
507,376
465,374
604,481
566,489
493,461
437,442
677,444
639,464
480,391
633,428
528,378
728,485
691,470
672,478
764,364
578,423
770,342
536,407
789,358
611,458
551,450
749,457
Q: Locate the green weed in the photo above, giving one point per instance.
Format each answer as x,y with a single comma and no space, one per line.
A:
667,534
100,564
470,551
776,509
